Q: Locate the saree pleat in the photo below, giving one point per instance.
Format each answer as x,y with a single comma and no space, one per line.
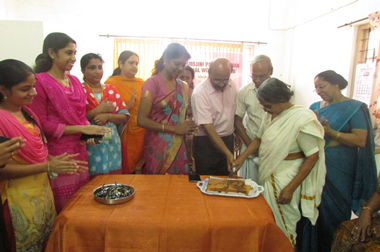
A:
275,173
166,152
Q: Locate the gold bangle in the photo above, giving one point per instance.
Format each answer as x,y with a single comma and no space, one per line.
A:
337,135
163,128
366,208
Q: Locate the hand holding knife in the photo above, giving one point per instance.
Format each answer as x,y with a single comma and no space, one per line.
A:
232,172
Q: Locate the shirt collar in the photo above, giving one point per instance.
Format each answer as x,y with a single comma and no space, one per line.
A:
252,86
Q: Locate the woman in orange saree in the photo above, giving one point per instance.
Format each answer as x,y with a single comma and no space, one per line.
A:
162,113
129,87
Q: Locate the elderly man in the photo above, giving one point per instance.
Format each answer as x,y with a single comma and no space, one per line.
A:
213,103
249,112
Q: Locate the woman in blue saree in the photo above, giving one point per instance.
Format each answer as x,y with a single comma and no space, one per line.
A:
350,162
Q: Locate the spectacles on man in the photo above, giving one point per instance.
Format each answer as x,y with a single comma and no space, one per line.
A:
217,81
262,77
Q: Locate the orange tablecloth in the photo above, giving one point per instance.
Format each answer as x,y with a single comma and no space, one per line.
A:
168,213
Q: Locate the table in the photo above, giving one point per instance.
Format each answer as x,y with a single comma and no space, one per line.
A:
168,213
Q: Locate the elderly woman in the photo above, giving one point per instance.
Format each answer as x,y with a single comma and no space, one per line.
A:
351,168
290,144
162,113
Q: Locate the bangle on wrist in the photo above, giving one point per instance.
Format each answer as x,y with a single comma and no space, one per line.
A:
337,135
367,208
52,175
163,128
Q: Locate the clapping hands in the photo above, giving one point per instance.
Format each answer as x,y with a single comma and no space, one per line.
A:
65,164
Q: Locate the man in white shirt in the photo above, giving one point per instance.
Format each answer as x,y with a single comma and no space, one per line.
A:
249,112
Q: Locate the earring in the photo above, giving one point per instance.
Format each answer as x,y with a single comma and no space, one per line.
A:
52,57
5,97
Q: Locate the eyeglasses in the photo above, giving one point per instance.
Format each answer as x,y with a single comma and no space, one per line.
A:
225,82
262,77
320,87
268,108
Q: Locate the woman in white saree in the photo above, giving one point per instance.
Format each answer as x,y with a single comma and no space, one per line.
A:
292,161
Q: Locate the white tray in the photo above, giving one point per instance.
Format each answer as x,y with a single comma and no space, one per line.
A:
256,189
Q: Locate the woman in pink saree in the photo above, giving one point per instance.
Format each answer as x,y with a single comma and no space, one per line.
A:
60,105
24,183
162,112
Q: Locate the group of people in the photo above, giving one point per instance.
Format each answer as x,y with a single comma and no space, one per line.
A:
316,168
316,164
67,131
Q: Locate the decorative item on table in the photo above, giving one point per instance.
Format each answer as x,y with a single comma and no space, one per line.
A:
245,188
112,194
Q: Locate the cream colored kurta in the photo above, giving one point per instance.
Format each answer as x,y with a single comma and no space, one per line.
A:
249,108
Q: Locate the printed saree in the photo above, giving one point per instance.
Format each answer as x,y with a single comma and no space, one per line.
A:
29,199
350,180
132,139
344,240
165,152
56,107
106,158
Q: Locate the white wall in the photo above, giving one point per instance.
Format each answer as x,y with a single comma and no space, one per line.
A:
21,40
84,21
319,45
298,54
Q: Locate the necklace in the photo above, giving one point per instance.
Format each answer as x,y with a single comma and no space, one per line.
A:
92,91
66,82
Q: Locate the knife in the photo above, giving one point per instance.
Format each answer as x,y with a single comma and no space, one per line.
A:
232,172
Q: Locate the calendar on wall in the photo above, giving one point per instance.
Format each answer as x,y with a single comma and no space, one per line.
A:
364,82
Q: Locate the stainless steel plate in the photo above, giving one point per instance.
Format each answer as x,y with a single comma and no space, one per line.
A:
99,194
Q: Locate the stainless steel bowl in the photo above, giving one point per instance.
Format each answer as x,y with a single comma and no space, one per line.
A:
117,200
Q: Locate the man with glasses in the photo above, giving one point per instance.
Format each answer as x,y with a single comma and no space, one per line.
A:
249,112
213,104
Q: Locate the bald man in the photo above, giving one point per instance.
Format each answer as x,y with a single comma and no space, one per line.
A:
213,104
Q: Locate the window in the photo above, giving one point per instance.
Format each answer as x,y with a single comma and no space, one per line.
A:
202,53
367,46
